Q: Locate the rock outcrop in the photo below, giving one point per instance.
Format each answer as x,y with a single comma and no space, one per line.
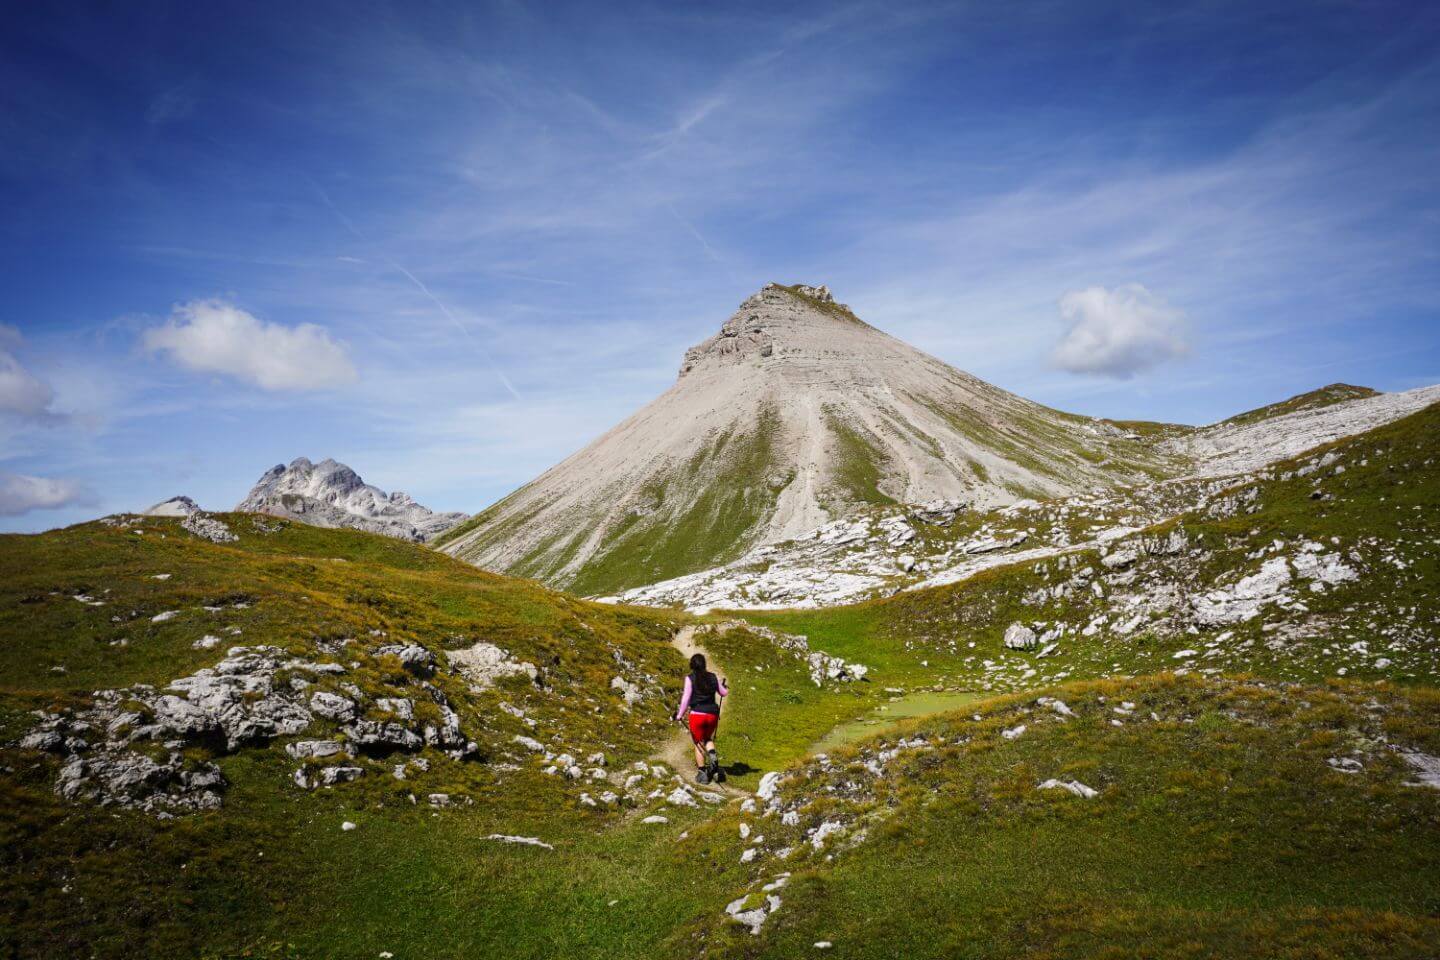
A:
330,494
254,695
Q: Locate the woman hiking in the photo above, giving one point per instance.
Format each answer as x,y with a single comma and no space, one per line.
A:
703,692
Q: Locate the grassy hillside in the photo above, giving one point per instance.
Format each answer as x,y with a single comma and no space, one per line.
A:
270,870
1229,819
1362,511
78,878
1253,773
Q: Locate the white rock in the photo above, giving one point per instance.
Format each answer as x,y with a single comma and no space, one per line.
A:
484,663
829,827
525,841
769,783
1074,786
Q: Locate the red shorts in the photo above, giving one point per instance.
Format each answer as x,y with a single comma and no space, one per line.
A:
702,726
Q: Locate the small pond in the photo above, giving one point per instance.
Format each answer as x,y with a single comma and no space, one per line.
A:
890,714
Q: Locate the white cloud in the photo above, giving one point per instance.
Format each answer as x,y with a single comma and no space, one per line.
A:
219,337
21,494
1118,332
21,392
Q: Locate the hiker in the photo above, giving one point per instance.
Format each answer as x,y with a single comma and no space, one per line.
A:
703,691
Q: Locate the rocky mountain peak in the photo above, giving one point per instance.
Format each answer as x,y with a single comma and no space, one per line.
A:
330,494
778,320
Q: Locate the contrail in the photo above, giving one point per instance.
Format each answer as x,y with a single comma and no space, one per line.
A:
456,320
479,347
694,232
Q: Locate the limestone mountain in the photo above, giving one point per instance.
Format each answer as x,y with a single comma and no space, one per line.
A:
330,494
795,413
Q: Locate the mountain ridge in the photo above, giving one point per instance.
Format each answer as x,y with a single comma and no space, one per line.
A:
330,494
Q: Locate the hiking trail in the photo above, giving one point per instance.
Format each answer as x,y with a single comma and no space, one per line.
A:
677,751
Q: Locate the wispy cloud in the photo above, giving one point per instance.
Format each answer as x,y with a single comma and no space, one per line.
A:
1270,241
22,394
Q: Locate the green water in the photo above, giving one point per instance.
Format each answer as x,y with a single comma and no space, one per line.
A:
890,714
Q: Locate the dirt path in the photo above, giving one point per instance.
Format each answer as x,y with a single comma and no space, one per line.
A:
677,750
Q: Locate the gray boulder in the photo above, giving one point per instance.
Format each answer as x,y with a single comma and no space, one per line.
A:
332,706
1020,637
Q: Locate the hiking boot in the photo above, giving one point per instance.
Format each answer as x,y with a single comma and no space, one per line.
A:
702,776
712,761
719,775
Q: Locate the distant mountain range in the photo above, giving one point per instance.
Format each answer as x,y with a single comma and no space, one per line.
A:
329,494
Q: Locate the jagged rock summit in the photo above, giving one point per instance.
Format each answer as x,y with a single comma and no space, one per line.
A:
795,413
330,494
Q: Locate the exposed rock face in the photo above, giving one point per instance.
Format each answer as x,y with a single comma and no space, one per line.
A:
794,414
330,494
174,507
1241,444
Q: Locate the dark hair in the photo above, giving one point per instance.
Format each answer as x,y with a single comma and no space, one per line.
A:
700,680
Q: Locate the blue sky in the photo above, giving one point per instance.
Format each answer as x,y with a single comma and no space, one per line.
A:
450,243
